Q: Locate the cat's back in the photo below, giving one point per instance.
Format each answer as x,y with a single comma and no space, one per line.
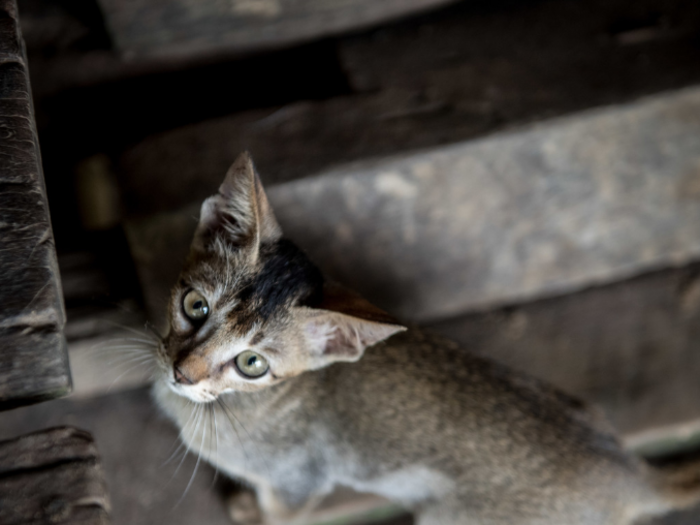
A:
423,397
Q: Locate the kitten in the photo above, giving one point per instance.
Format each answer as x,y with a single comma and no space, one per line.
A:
309,386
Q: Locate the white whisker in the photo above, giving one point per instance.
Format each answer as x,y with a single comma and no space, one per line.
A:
198,411
180,440
216,441
128,359
137,365
132,330
196,465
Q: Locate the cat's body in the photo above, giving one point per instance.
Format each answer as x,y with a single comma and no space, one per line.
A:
426,424
456,438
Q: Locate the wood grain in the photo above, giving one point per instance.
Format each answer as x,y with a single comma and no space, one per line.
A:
181,28
52,477
456,75
34,364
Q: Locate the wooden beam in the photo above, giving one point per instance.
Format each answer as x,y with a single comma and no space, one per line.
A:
629,347
52,477
181,28
34,363
468,71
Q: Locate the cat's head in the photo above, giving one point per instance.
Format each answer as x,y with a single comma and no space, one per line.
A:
249,309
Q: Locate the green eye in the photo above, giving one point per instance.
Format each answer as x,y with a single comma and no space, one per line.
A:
195,305
251,364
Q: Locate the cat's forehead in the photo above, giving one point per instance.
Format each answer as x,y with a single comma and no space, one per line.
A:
249,293
216,268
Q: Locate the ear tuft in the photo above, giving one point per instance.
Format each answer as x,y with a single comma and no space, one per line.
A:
240,212
240,178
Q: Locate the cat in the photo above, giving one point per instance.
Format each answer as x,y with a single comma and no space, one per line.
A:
308,386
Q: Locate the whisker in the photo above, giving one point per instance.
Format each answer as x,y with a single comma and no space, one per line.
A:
130,347
149,326
130,354
180,445
216,441
198,410
130,329
179,440
148,342
125,347
123,374
257,449
144,337
122,360
196,465
118,344
230,413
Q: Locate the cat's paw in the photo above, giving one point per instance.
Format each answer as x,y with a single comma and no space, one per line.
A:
243,509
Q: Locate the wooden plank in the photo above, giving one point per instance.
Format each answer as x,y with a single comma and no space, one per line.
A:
52,477
34,363
497,59
474,70
143,28
135,444
630,347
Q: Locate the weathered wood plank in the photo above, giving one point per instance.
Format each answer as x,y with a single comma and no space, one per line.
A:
52,477
34,363
180,28
456,75
630,347
135,442
499,58
546,210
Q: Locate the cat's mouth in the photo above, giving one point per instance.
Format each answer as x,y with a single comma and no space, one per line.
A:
196,393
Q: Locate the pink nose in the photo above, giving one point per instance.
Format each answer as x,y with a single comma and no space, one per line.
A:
182,378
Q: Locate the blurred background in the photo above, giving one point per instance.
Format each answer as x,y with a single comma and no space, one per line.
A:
521,175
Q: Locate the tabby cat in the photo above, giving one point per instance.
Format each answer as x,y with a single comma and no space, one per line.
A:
311,387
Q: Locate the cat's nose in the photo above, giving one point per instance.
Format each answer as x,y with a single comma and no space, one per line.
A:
182,378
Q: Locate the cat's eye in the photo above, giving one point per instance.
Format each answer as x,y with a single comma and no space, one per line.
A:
251,364
195,305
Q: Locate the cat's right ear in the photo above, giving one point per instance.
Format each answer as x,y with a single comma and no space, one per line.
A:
342,327
239,214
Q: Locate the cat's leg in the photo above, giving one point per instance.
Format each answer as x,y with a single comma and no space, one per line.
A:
287,505
440,515
243,508
272,506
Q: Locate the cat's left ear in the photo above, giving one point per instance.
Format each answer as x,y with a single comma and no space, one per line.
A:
240,212
343,326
